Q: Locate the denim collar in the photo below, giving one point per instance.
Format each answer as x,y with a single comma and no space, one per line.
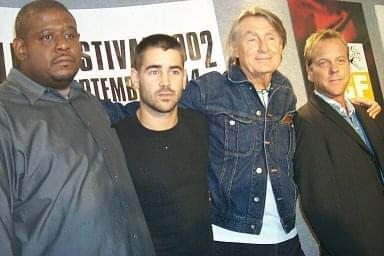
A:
237,76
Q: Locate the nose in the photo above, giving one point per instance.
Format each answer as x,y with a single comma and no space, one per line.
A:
62,43
262,47
334,67
164,80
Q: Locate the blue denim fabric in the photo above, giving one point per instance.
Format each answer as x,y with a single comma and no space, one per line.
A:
117,111
244,136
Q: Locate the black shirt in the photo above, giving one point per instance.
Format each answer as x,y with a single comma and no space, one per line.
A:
169,170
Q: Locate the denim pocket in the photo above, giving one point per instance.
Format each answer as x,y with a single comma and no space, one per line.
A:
239,135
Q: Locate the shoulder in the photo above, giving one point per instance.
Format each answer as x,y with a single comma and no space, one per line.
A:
280,79
306,115
193,119
364,117
209,80
124,124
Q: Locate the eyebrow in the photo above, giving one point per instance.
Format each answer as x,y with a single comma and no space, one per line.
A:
52,28
269,32
159,66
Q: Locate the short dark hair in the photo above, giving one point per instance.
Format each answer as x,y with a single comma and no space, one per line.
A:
34,7
162,41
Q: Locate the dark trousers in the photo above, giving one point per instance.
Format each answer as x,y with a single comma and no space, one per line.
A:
290,247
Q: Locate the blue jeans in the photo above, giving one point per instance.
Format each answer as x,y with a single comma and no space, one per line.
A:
290,247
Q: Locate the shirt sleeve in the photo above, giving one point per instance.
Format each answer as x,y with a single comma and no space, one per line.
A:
191,98
7,234
117,111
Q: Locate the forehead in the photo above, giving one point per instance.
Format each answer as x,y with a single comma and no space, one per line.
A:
49,18
161,57
255,24
329,47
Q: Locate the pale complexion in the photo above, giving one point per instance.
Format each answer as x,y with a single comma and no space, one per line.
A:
160,81
259,50
330,69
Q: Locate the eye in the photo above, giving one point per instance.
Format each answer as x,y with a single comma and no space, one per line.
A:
342,61
323,63
153,72
175,72
70,35
46,37
251,38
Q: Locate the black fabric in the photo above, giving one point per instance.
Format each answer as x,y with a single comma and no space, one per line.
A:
341,193
290,247
169,170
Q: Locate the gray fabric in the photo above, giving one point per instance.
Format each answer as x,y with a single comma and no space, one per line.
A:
64,185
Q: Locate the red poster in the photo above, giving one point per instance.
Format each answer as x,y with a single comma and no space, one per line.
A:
309,16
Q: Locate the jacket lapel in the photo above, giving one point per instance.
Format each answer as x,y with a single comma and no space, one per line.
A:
374,135
336,118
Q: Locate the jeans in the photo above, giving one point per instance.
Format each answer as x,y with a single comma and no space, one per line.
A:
290,247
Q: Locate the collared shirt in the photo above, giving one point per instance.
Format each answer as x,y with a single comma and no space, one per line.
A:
64,185
350,116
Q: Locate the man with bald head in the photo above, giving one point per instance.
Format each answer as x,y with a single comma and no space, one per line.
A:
64,185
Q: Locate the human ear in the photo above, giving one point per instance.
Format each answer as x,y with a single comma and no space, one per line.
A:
19,49
135,78
309,73
185,79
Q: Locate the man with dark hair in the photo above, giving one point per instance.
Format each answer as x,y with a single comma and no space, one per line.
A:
64,185
167,152
250,111
339,158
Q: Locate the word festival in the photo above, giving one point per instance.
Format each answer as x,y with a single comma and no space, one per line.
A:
105,65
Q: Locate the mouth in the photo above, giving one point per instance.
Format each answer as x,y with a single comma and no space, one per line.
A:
165,94
63,61
333,80
262,60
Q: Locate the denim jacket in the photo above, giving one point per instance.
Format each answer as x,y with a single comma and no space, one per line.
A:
247,140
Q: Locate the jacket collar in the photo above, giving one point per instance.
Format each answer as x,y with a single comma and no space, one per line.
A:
237,76
331,114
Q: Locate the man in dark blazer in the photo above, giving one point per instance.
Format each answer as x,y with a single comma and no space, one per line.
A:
339,157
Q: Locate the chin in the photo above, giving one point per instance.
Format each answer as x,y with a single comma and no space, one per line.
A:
64,76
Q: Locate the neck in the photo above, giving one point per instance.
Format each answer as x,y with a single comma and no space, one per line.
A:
64,92
260,81
342,102
157,121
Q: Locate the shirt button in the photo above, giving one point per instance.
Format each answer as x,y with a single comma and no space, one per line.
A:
116,177
258,113
134,236
256,199
232,122
253,226
259,170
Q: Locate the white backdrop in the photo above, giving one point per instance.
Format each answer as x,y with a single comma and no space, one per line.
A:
109,35
380,20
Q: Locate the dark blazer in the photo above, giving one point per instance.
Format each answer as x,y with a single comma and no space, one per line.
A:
342,195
